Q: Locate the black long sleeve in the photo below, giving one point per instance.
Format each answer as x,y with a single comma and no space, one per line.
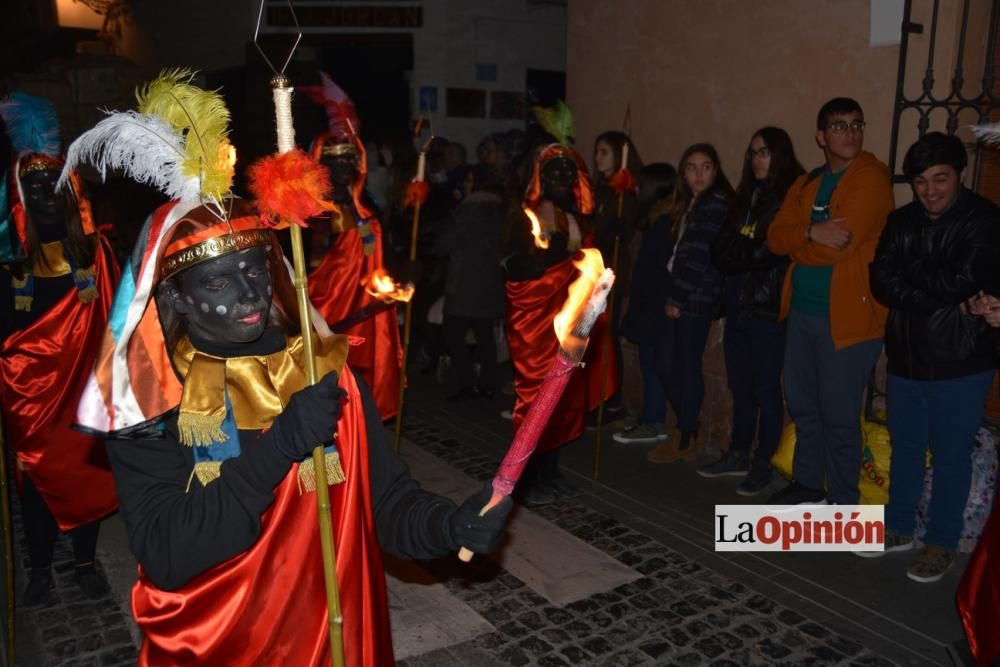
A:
176,533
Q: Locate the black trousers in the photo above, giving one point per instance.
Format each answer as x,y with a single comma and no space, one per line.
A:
455,329
41,530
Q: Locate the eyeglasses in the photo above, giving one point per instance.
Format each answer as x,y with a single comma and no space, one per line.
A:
763,153
842,126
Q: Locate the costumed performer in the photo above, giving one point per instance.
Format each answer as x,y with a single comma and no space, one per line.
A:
202,388
351,249
56,285
537,283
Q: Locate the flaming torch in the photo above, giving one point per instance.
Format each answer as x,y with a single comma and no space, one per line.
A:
541,238
387,293
587,298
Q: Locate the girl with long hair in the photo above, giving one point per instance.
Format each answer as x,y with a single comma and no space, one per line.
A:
754,338
693,297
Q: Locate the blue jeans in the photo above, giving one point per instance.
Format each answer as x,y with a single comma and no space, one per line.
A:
678,358
755,350
944,415
824,390
654,397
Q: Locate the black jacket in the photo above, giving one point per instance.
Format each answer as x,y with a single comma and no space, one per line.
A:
696,288
923,270
754,274
645,318
471,243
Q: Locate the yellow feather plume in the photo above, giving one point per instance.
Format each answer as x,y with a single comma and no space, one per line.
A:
202,118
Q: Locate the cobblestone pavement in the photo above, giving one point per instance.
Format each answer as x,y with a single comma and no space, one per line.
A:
74,631
678,613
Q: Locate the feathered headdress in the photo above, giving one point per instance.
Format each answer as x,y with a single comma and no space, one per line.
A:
557,121
340,111
177,141
33,128
32,124
988,133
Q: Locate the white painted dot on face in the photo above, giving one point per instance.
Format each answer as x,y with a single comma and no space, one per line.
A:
204,307
189,300
267,248
268,289
221,310
243,265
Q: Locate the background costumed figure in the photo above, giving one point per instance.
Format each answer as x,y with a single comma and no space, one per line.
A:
555,224
350,250
56,286
201,385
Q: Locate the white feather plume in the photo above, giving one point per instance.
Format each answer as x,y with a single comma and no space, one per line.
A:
143,146
988,133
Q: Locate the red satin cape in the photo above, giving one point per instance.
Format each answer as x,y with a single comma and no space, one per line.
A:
336,291
979,593
43,370
531,306
267,606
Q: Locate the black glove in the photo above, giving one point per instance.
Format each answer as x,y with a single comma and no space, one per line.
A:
480,534
309,419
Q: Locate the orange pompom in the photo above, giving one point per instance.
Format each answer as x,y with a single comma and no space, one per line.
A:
623,181
416,194
289,186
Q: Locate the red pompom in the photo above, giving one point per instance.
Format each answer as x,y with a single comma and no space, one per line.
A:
289,187
623,181
416,194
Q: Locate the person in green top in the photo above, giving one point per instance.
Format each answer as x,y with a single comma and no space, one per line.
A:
829,226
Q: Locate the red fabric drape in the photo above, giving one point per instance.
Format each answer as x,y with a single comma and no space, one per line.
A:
336,291
267,606
531,306
43,370
979,594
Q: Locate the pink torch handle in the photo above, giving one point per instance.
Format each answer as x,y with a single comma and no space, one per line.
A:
530,430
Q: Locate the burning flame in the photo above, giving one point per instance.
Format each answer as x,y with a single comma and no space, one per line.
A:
541,238
381,285
591,266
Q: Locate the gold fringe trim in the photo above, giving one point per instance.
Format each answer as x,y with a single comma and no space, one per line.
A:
201,430
19,283
307,472
84,274
23,303
206,472
87,294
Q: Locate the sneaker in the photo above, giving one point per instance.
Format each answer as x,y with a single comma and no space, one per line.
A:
893,542
797,494
39,589
642,433
758,479
507,414
931,563
91,582
730,464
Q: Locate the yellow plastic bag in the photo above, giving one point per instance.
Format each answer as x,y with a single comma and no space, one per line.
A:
875,457
783,456
873,481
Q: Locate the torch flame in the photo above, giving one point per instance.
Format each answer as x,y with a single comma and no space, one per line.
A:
381,285
541,238
591,268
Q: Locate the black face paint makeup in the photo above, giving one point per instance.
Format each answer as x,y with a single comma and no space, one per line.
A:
226,299
343,172
558,178
45,207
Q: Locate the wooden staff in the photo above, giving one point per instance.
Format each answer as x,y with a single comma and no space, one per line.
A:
408,317
282,93
608,350
8,550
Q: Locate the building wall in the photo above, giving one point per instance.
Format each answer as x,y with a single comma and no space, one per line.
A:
514,35
717,70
